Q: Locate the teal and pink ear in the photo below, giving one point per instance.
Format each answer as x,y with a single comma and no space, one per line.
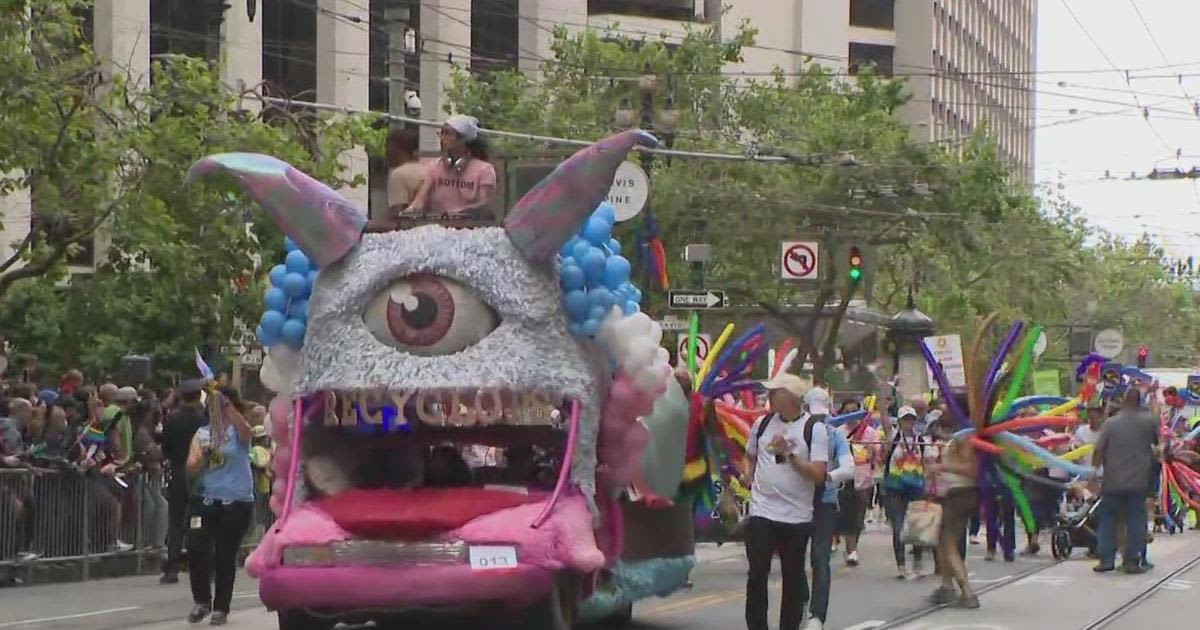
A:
594,276
557,208
285,318
322,223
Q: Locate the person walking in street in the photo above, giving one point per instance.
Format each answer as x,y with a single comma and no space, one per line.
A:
221,504
854,499
955,482
903,481
177,436
787,456
825,514
1125,450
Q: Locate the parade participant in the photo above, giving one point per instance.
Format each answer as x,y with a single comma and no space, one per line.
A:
1125,449
221,504
903,481
177,436
855,498
825,515
462,182
406,174
783,475
956,484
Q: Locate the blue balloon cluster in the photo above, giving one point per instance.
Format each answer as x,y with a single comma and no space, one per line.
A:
286,315
594,276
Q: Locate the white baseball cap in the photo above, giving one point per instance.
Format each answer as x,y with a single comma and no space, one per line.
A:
466,126
817,401
792,383
906,410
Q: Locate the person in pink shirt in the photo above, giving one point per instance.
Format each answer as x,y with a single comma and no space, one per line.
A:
462,182
855,499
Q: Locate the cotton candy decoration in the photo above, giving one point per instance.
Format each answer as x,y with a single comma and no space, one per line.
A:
622,439
280,410
633,344
279,370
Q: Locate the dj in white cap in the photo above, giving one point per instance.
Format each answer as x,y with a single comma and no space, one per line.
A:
462,183
786,451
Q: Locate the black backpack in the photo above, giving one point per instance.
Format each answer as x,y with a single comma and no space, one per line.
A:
813,419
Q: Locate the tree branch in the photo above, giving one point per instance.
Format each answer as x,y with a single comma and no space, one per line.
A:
56,255
12,260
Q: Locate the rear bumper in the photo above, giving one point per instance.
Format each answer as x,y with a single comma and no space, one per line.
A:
399,589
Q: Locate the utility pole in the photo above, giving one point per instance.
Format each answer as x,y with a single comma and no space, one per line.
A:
397,14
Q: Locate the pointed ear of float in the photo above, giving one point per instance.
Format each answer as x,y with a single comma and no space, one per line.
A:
323,224
554,210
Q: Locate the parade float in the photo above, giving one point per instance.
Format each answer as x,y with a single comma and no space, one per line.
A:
473,423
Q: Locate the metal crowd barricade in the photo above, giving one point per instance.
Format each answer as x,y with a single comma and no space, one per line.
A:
68,519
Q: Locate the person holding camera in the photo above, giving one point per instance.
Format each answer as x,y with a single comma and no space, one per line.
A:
221,504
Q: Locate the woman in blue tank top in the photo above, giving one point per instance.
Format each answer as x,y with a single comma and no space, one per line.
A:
220,506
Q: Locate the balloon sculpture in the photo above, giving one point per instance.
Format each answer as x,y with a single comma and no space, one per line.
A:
1007,451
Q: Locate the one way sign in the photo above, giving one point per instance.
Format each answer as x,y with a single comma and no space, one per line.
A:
698,299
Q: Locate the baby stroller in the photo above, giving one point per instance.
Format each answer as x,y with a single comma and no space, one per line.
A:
1075,527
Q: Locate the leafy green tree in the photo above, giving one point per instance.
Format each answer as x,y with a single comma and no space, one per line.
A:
109,158
855,175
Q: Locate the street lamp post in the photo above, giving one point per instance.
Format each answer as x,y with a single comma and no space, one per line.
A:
907,329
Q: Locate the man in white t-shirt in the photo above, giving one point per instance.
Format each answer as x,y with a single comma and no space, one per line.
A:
787,457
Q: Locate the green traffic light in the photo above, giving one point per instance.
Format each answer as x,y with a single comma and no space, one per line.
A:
855,274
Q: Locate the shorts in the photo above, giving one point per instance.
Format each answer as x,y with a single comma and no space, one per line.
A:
958,506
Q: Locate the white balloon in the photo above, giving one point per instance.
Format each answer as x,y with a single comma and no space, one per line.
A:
656,333
270,376
641,354
663,356
649,379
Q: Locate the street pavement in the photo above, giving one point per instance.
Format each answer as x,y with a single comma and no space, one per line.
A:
1031,594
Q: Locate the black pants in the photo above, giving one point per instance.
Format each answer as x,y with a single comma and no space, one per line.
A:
177,526
763,539
213,549
1003,507
824,520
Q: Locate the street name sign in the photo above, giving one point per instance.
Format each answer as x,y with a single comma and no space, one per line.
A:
697,299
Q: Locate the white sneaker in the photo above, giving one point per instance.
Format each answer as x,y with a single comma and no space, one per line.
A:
814,624
852,558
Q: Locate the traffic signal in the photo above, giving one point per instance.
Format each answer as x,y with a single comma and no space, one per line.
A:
1142,355
856,264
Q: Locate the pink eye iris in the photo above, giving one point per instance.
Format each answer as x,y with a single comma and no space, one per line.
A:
420,312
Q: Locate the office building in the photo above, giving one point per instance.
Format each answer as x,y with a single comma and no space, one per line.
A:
968,62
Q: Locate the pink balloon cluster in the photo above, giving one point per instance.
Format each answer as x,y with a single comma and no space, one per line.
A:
622,438
281,411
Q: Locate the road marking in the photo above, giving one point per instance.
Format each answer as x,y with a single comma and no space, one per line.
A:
1177,585
1048,580
971,576
94,613
866,625
700,601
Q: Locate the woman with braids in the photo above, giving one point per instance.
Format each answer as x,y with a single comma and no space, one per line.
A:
221,503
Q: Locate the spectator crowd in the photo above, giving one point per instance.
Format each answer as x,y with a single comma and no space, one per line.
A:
89,468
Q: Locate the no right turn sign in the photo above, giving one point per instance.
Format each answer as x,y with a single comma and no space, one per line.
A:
799,260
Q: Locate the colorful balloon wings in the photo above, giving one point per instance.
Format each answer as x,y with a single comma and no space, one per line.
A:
1007,454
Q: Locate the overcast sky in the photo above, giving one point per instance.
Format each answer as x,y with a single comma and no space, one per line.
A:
1076,148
